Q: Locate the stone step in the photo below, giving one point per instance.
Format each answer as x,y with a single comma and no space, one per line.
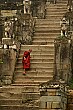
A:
39,60
53,25
39,28
39,56
10,95
11,91
18,107
57,2
45,38
57,19
47,52
42,38
32,81
24,78
48,30
43,56
46,23
25,84
37,65
57,9
42,69
54,16
38,53
37,47
33,73
60,10
18,96
28,82
57,6
43,42
55,12
42,34
62,2
10,101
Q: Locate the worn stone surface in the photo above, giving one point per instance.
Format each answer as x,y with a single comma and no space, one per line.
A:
56,105
51,93
50,98
49,105
42,104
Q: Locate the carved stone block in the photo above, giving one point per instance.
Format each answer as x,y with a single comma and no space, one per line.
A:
7,41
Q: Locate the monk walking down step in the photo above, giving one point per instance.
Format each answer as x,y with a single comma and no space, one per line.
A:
26,61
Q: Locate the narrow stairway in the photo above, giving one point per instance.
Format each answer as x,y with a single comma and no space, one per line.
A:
24,94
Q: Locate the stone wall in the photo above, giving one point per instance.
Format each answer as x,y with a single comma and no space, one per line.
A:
8,57
7,67
63,57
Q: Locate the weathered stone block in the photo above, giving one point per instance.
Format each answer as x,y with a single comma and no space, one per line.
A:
49,105
58,93
7,41
42,104
50,98
51,93
9,77
65,106
56,105
7,82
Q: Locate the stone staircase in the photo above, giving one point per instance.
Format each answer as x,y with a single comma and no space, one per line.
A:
24,93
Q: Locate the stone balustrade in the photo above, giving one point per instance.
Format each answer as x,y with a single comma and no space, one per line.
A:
53,96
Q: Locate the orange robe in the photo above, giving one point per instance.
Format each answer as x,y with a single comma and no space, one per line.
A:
26,60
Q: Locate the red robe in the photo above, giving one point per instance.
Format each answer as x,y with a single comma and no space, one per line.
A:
26,60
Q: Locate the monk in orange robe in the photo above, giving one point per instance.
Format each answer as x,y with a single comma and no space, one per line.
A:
26,60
